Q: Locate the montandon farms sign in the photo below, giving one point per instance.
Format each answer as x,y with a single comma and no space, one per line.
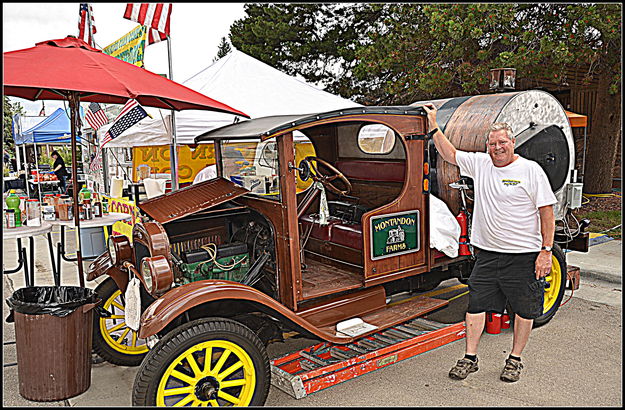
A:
394,234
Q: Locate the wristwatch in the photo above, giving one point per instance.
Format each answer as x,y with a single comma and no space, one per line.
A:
546,248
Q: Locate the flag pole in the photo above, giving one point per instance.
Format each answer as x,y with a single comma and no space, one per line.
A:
91,37
173,153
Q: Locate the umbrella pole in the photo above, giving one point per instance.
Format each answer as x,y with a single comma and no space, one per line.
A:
74,101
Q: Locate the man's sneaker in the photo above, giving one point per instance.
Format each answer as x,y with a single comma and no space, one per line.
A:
511,371
462,369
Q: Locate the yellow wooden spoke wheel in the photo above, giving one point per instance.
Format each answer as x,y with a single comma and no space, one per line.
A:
206,362
113,340
212,373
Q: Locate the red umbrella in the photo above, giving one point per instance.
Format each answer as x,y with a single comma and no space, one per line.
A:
69,69
53,68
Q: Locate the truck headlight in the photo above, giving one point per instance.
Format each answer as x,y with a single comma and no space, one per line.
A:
119,249
112,250
157,274
146,272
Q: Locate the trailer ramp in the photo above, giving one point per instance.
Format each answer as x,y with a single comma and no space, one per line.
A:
325,364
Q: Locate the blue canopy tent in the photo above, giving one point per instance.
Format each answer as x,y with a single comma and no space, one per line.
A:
56,129
53,130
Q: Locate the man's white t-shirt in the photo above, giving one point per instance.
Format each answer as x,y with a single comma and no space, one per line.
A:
505,211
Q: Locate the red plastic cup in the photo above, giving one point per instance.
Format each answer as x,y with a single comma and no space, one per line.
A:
505,321
493,323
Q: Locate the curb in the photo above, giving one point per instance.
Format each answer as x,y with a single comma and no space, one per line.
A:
604,276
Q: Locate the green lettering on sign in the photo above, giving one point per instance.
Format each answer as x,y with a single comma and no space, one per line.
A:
394,234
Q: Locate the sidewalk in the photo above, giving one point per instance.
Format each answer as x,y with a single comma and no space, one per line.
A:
603,261
110,384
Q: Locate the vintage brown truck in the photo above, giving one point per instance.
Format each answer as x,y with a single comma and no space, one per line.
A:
225,270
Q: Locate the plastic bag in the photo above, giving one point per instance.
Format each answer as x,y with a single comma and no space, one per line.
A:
49,300
133,304
444,228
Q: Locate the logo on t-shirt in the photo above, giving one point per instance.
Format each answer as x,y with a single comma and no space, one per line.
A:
510,182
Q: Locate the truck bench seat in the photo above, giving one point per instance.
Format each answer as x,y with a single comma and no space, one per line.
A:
348,235
362,170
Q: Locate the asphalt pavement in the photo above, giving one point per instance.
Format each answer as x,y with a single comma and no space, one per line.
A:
584,370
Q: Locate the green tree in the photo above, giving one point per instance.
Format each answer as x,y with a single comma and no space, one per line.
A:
223,49
315,41
389,54
446,50
9,110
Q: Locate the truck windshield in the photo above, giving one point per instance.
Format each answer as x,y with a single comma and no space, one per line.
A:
254,164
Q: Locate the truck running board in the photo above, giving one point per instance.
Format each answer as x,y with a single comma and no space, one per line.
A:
325,365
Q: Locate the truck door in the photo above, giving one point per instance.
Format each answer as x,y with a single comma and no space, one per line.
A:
396,236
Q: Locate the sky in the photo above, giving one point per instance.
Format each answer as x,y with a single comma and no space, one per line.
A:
196,31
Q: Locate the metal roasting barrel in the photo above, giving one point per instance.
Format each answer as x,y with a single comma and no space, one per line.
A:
539,124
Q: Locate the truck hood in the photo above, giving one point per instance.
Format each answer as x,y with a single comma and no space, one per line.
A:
189,200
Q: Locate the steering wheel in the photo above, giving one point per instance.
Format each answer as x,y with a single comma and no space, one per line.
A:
326,179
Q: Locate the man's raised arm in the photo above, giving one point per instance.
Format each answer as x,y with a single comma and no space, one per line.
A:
443,145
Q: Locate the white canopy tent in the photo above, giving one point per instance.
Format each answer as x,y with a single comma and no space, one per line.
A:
239,81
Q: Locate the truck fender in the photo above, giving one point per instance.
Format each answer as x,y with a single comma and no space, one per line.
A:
179,300
102,265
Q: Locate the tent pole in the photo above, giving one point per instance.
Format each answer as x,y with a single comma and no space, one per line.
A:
26,169
74,101
17,150
584,156
105,170
173,152
37,168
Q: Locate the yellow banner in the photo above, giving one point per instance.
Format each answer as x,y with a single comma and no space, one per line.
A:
157,158
190,162
124,206
130,47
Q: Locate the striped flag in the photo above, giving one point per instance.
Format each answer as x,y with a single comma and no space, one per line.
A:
96,162
95,116
130,114
154,15
86,24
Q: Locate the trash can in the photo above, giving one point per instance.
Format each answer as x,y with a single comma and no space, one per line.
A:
53,335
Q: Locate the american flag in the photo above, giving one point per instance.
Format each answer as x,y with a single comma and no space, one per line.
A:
96,162
95,116
154,15
130,114
86,24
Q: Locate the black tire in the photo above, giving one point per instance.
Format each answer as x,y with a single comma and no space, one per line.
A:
192,340
555,290
120,347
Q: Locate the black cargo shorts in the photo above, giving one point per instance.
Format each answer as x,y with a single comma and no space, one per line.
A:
497,277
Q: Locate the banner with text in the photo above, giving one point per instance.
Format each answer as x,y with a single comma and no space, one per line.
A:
130,47
124,206
190,162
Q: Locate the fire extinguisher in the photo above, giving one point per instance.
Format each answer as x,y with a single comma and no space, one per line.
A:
463,249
